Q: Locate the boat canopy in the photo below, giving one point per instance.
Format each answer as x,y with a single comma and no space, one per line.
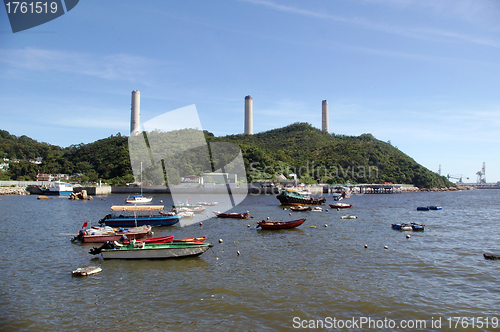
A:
137,208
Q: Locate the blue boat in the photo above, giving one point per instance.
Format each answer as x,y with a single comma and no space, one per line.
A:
427,208
135,219
408,227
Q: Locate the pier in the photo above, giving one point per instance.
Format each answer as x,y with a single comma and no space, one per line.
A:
373,188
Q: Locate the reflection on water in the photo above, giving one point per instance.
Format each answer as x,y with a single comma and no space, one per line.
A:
311,273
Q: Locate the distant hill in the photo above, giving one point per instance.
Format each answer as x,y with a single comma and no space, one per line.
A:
298,148
332,158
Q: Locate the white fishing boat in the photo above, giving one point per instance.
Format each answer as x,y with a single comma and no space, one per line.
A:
57,188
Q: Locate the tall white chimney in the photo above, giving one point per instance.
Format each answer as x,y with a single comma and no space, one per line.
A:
248,115
135,119
324,108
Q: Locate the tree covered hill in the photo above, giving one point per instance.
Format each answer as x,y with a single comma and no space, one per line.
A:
298,148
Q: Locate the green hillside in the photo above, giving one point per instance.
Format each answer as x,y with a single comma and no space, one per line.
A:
332,158
298,148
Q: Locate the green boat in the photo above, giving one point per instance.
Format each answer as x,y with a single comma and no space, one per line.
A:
140,250
292,197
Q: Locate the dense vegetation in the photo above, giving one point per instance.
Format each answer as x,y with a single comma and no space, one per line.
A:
298,148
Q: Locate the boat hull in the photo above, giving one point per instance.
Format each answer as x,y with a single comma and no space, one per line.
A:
156,251
288,200
232,215
340,206
140,221
276,225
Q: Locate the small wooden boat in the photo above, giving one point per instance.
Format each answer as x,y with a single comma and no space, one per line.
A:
266,224
86,271
138,250
317,209
300,208
340,206
232,215
96,234
198,239
488,255
151,240
348,217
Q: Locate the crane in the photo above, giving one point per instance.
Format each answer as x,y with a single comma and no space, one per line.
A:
481,175
456,177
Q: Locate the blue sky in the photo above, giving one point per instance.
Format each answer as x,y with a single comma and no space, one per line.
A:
423,74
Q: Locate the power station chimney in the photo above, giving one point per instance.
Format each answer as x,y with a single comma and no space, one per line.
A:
324,111
248,115
135,119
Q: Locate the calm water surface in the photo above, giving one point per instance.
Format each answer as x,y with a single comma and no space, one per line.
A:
310,273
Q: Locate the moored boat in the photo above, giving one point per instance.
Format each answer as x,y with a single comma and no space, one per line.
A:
300,208
96,234
292,197
138,199
208,203
135,219
57,188
488,255
423,208
197,239
274,225
151,240
348,217
232,215
340,206
408,226
138,250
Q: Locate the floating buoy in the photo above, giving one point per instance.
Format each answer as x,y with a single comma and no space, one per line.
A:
313,226
386,247
238,252
326,210
366,246
408,236
284,209
161,200
248,225
201,224
326,225
267,218
289,214
220,240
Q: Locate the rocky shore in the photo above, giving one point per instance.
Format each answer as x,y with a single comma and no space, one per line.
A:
13,191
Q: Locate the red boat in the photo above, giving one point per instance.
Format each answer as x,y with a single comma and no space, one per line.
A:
96,234
280,224
340,206
232,215
170,238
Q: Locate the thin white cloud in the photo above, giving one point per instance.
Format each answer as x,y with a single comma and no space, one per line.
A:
413,32
125,67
